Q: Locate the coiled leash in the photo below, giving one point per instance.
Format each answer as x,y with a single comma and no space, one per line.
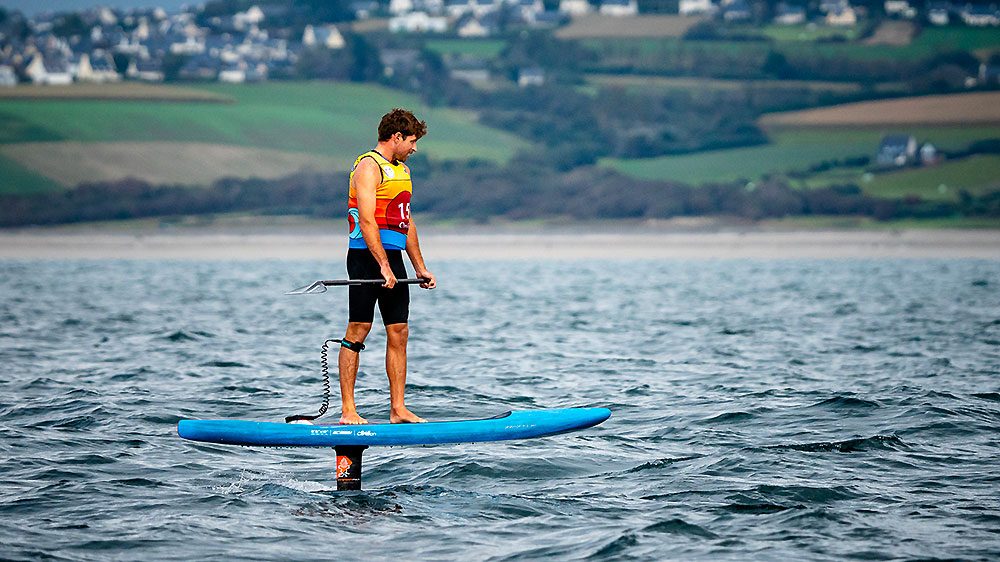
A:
356,347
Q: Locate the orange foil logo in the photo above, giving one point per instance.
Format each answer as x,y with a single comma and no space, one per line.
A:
343,466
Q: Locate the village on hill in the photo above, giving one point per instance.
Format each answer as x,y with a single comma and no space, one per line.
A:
749,108
266,42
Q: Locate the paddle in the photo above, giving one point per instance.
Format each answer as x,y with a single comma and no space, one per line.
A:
320,286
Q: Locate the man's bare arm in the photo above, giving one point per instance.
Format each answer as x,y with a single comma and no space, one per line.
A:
416,258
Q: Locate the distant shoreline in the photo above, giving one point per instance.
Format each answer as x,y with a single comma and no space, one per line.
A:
482,243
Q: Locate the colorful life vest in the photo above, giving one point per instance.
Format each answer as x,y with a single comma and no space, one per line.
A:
392,204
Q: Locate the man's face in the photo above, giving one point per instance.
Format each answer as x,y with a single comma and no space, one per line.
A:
404,146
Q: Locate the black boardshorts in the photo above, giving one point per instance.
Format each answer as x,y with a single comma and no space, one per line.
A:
393,304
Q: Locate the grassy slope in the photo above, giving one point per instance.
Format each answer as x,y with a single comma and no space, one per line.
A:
321,118
929,42
977,175
639,83
805,32
18,180
484,48
791,149
327,119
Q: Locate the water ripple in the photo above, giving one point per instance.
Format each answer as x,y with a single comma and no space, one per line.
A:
773,410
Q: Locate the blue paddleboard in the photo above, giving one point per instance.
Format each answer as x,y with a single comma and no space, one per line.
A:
511,425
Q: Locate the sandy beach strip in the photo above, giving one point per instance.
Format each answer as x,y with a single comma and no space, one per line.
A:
537,245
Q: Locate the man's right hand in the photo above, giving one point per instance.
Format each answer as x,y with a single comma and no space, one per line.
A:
389,276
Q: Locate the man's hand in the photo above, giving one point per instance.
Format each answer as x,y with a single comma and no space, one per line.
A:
431,280
389,276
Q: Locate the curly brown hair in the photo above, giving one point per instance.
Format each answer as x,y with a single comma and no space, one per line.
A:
400,121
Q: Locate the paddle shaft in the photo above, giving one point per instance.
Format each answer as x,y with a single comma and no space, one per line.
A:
341,282
320,286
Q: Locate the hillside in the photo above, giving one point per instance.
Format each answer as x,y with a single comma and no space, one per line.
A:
973,109
266,130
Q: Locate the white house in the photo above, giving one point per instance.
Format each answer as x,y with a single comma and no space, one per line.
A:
248,19
979,16
478,8
327,36
471,27
575,7
533,76
51,74
96,68
897,150
233,73
846,17
620,8
7,76
107,16
190,46
938,16
692,7
146,70
899,8
528,9
400,7
786,14
141,31
929,155
418,22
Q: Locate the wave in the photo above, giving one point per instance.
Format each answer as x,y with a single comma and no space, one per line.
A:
874,443
226,364
660,463
846,402
615,548
678,526
727,417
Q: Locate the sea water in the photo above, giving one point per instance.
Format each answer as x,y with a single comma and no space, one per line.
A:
806,410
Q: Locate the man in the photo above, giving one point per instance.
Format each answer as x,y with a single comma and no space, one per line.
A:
381,228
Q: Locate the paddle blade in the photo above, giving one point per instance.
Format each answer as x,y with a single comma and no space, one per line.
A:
314,289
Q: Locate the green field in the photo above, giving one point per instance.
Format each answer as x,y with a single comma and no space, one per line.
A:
18,180
786,41
320,118
664,46
978,175
639,83
790,149
315,117
482,48
807,32
951,38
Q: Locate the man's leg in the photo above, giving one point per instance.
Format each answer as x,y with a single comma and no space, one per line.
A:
348,363
395,367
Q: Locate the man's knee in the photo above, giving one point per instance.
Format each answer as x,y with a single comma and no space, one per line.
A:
397,333
358,331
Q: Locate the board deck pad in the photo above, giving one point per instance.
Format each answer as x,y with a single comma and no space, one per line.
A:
518,424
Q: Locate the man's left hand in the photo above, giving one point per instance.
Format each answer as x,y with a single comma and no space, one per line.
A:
431,280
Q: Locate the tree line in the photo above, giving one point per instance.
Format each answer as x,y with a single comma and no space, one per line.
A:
526,188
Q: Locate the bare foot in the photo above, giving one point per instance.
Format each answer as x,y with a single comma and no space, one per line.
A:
405,416
352,419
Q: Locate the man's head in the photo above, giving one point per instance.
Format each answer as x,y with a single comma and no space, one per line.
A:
400,130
